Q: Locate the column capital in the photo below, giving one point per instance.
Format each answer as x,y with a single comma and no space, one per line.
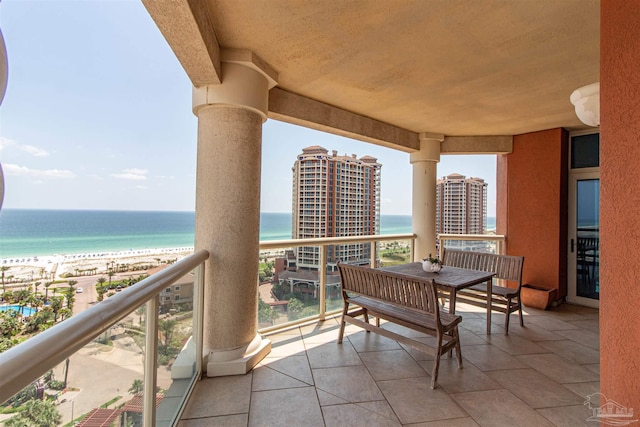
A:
429,148
246,80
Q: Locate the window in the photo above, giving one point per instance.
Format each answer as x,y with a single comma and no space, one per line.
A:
585,151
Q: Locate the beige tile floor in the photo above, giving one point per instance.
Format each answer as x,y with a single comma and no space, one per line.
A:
539,375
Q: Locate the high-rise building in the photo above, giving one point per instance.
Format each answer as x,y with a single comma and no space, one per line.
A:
461,205
335,196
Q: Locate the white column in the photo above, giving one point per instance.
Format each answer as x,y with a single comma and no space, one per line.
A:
230,117
424,194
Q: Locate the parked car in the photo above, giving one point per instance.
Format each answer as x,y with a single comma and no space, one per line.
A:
79,290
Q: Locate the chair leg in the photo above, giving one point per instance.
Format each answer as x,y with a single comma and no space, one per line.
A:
436,363
506,319
458,349
520,311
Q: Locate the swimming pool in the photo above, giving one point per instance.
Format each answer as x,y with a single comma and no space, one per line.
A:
26,311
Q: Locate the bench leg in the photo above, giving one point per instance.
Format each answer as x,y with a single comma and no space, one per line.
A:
345,310
365,314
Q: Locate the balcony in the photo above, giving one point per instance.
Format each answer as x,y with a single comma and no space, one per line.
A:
538,375
544,371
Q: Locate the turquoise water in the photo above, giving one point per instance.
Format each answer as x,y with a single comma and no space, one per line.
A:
26,311
31,232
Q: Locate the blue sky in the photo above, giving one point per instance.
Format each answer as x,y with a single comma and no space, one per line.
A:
97,115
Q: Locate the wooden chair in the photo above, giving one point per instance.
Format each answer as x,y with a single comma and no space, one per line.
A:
507,268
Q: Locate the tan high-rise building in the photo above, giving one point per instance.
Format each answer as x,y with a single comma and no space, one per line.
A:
335,196
461,205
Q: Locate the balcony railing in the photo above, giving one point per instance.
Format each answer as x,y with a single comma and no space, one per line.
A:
24,364
493,243
321,303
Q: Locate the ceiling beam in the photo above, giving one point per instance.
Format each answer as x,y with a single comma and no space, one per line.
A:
501,144
187,27
298,110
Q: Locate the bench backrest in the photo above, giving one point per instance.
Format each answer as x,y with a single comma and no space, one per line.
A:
395,288
506,267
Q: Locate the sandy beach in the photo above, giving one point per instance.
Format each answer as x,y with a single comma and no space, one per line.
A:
27,269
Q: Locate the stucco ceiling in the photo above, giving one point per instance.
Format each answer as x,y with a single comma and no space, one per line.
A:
457,67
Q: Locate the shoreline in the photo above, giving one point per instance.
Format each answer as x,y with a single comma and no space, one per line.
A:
28,269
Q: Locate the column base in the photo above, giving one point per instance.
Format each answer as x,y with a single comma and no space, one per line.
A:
238,361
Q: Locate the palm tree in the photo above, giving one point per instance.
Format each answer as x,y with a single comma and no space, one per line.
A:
136,387
46,293
35,412
70,293
3,269
35,287
101,288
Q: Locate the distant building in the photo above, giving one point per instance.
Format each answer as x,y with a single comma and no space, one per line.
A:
461,205
334,196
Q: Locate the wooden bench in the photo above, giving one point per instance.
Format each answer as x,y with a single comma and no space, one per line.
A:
503,298
403,300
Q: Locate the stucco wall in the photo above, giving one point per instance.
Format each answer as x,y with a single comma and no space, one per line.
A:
620,202
532,206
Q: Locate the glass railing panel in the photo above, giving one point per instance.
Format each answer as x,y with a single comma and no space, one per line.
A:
287,291
94,382
394,252
472,245
106,378
176,347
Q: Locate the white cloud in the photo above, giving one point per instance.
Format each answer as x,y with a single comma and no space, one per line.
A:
34,151
141,187
17,170
5,142
132,174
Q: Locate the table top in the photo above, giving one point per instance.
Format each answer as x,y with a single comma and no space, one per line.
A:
450,277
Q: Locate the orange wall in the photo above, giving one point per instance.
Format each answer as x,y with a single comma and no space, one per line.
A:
532,206
620,202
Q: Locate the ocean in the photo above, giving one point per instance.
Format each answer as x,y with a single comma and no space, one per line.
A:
31,232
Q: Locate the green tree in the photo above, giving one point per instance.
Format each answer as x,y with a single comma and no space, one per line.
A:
22,297
70,294
136,387
56,306
42,320
36,413
9,325
101,288
46,290
7,343
266,313
35,287
166,328
294,309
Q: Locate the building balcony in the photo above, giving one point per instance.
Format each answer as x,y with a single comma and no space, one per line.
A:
538,375
541,373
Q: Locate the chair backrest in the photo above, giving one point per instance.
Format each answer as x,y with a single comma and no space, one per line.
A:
395,288
505,267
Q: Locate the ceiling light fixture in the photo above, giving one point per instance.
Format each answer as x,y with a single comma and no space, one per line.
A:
587,102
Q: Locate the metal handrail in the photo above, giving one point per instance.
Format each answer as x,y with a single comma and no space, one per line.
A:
323,241
28,361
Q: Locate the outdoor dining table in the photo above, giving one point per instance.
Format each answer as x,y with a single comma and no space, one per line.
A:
448,279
